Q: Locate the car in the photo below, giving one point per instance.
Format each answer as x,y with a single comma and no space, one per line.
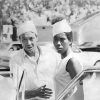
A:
6,51
86,37
15,46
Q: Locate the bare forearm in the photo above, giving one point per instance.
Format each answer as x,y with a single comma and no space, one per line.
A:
41,92
28,94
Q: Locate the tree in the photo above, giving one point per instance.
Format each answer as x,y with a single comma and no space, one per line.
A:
18,9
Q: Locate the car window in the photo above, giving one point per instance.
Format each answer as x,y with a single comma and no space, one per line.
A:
15,47
4,46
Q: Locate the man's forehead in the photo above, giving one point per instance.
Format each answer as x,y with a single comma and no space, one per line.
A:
61,35
29,34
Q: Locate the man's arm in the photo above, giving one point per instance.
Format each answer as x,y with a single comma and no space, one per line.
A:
41,92
73,67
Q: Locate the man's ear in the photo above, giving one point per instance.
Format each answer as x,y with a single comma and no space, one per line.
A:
36,37
20,39
70,43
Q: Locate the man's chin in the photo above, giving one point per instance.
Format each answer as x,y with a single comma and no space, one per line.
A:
59,51
29,50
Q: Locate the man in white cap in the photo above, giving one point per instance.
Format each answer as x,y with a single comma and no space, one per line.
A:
38,62
69,66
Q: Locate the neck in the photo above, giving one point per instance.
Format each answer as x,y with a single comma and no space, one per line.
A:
63,55
34,53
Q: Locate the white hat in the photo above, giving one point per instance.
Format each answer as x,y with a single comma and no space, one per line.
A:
27,26
60,27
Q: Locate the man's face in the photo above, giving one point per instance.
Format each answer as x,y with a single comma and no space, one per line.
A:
29,42
61,43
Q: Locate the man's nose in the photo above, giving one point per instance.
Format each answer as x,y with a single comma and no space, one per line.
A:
59,43
28,42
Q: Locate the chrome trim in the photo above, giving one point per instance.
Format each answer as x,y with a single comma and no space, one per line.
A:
74,82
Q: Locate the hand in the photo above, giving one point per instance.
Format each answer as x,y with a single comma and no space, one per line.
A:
43,92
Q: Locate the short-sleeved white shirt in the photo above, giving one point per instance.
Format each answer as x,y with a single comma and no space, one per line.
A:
36,74
62,77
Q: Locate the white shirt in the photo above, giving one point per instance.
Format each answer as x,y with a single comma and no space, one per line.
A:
62,77
36,74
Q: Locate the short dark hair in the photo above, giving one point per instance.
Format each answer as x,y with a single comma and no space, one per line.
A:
57,19
69,36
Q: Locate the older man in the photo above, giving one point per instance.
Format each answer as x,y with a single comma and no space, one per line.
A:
38,62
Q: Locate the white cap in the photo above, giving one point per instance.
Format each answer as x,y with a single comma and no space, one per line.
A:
27,26
60,27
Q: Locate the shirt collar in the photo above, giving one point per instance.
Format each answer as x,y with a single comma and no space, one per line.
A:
28,57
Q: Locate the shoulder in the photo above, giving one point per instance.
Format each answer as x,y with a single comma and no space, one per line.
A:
17,57
73,63
48,50
73,60
50,54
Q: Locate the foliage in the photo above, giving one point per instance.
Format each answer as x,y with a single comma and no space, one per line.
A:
12,11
